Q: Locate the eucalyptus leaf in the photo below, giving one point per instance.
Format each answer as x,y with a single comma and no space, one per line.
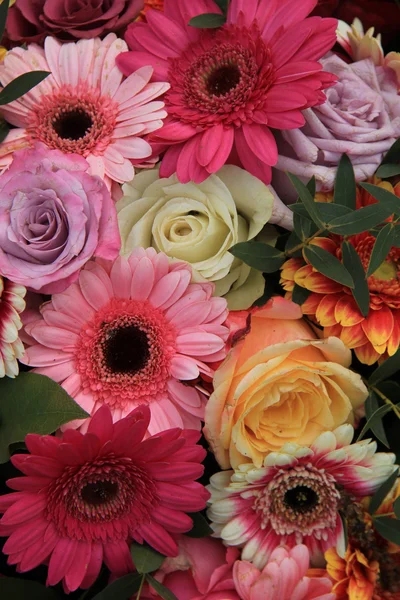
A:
327,264
388,368
382,492
122,588
146,559
385,198
3,16
388,528
383,243
200,527
360,220
23,589
259,256
302,226
223,5
371,405
345,184
312,186
388,170
33,403
21,85
307,199
300,294
292,241
374,418
353,264
396,508
4,130
208,21
393,154
161,590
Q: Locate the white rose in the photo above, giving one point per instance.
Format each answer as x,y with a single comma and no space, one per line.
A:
198,223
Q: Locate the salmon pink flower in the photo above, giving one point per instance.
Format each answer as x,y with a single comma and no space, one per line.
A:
295,497
84,106
84,498
11,305
332,305
127,333
285,576
230,86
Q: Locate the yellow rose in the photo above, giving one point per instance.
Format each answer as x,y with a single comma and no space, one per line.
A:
279,384
198,223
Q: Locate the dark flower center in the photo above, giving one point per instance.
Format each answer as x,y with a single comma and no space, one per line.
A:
99,492
72,125
223,80
126,349
301,498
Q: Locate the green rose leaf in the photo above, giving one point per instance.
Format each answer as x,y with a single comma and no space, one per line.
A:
360,220
388,368
328,265
382,492
145,558
260,256
21,589
208,21
345,184
33,403
20,85
122,588
161,590
383,243
388,528
353,264
200,527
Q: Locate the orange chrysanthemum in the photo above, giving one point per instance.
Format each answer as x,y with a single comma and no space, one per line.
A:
354,575
332,305
148,4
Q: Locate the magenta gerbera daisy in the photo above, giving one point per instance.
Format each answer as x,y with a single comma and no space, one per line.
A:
84,106
12,303
127,333
84,498
295,498
231,85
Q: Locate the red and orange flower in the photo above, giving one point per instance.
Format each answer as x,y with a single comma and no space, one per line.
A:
354,575
332,305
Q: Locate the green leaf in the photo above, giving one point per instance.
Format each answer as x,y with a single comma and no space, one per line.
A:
393,154
396,508
388,170
360,220
161,590
382,492
385,198
381,249
33,403
20,85
307,199
223,5
200,527
208,21
300,294
371,405
3,16
374,418
386,369
312,186
353,264
388,528
122,588
292,241
4,130
328,265
259,256
327,211
302,226
145,559
345,184
21,589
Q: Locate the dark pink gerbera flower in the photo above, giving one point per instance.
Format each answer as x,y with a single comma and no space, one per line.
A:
84,498
230,85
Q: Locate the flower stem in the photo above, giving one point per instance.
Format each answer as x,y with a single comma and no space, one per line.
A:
140,587
304,242
386,400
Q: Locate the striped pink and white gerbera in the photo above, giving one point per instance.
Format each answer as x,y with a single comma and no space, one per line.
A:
295,498
132,332
82,499
230,86
85,106
12,303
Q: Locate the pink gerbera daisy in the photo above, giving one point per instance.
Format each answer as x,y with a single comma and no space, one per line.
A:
127,333
231,85
12,303
84,106
84,498
295,498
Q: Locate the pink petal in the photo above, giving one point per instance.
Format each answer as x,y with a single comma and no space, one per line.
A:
61,560
182,367
93,289
261,141
142,280
159,539
198,344
128,62
118,558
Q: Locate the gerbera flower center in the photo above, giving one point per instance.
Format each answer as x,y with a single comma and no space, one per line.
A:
99,492
301,499
223,80
126,349
74,119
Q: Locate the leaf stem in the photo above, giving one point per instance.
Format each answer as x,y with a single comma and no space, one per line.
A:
377,515
140,587
386,400
304,243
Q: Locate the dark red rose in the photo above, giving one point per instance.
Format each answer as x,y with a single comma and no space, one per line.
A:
325,8
32,20
381,14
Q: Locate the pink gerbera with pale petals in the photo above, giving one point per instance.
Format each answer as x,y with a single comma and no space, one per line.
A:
231,85
84,106
84,498
295,498
127,334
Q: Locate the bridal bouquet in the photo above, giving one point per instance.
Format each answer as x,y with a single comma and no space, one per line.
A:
200,299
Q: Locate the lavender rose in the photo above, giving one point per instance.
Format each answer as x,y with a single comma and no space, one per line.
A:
54,217
361,118
32,20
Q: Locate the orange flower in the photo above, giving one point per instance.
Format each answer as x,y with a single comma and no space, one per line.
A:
156,4
354,575
332,305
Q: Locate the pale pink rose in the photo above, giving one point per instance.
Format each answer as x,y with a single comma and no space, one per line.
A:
361,118
54,217
283,577
201,571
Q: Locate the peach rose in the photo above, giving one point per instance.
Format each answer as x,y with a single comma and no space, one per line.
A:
279,384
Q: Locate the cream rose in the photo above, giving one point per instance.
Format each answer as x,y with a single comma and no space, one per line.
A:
279,384
198,223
